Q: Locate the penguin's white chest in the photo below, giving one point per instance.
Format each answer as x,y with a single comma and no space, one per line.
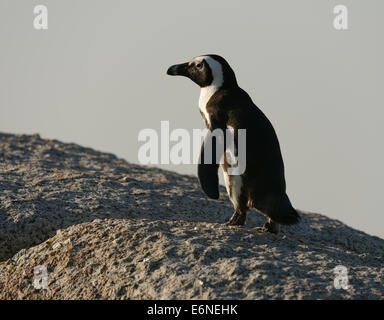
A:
233,183
206,94
234,186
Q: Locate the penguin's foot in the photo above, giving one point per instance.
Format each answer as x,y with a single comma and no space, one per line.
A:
237,219
271,227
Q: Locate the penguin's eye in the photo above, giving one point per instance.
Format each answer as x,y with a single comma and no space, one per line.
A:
199,65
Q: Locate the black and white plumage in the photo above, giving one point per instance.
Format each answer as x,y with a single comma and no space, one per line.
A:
223,104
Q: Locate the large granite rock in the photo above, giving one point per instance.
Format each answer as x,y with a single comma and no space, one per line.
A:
107,229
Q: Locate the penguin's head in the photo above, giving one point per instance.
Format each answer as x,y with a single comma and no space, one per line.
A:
205,71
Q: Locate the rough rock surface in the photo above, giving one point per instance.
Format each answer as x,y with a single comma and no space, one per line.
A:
107,229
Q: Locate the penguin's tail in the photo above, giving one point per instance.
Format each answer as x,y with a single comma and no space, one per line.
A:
285,213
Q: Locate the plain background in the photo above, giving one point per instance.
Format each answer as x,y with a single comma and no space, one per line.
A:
97,77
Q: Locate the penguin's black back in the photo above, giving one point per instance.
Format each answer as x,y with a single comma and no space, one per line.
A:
263,181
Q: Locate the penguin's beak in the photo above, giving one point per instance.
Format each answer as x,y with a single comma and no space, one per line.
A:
178,70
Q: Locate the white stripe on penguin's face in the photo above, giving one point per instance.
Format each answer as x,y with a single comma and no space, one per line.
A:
216,69
207,92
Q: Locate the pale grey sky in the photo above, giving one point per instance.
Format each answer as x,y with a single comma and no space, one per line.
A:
97,77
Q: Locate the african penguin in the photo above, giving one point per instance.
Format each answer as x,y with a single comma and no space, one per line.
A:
223,104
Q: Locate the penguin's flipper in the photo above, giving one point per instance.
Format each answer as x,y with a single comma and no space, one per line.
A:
209,179
207,169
